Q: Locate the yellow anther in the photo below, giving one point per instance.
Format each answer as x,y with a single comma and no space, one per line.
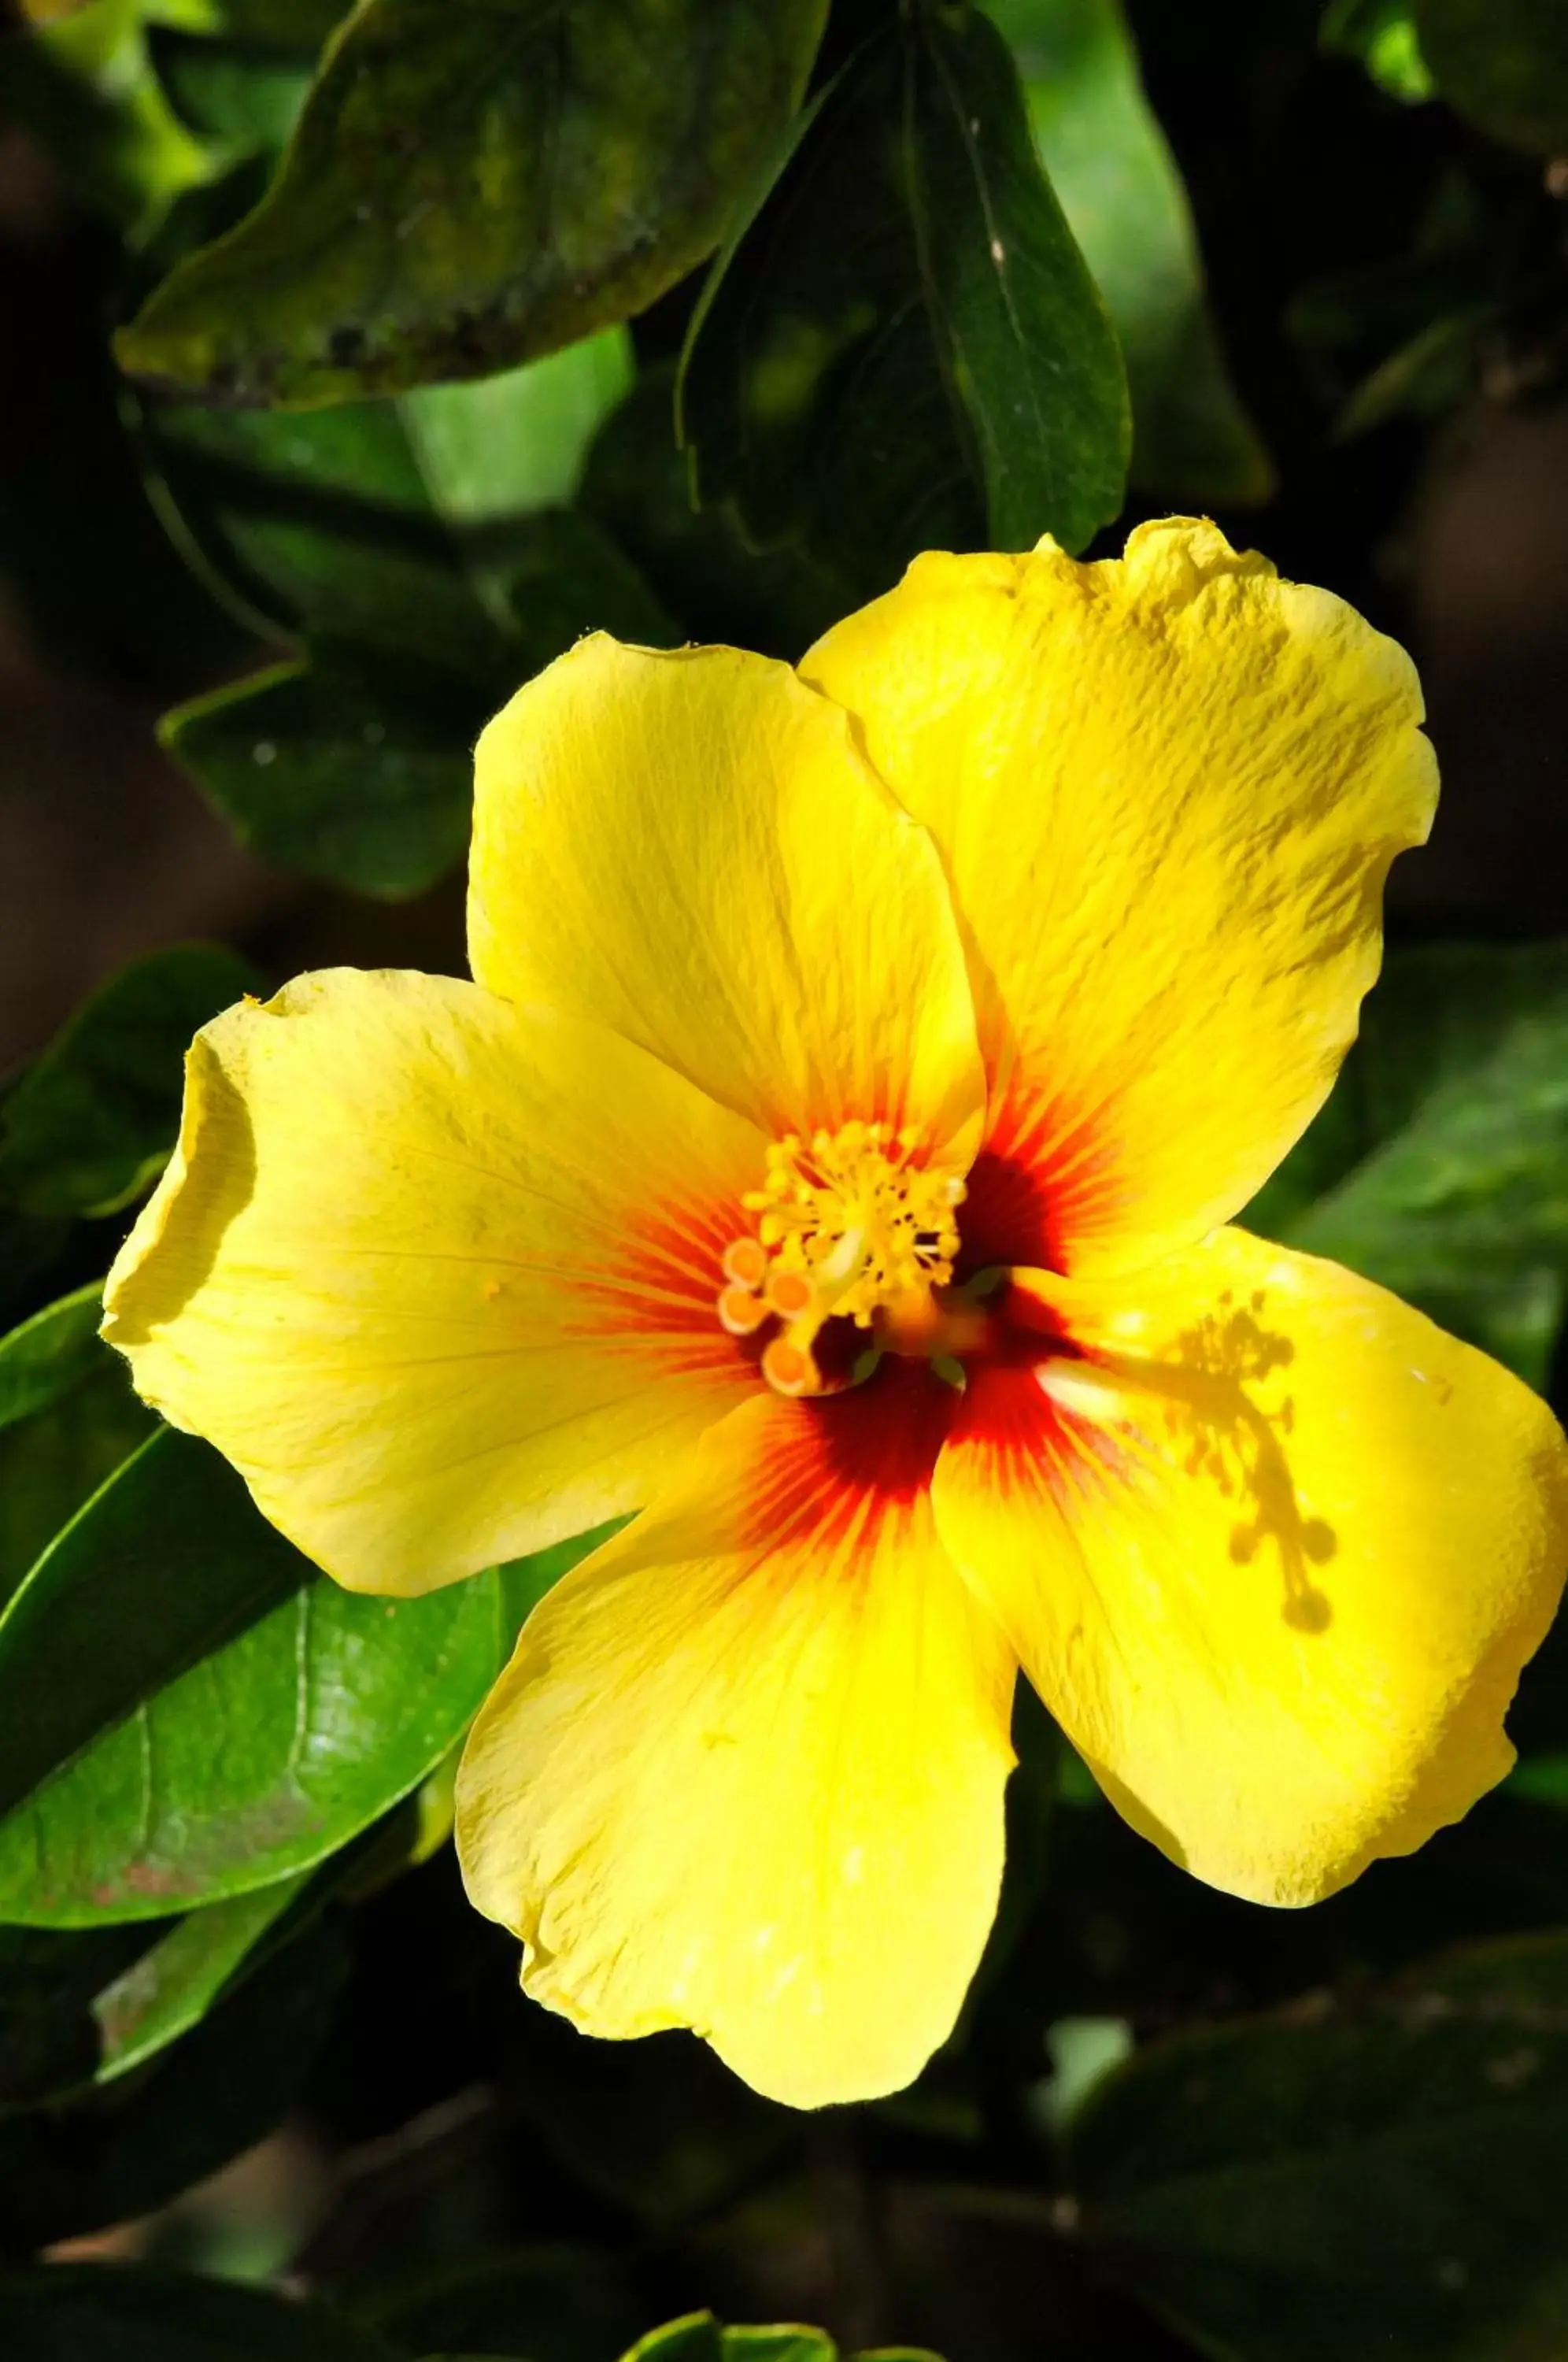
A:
848,1226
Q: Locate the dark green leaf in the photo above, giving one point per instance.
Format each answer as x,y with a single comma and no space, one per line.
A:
51,1355
68,1419
1376,2178
1122,195
1436,1166
359,766
415,547
379,522
50,2039
638,485
172,1985
903,349
237,1718
126,2150
1503,64
1025,337
71,2313
477,182
83,2006
95,1116
167,1564
554,2303
355,767
241,101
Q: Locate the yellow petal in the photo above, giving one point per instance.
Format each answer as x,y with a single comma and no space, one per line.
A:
744,1772
688,847
1167,787
437,1274
1272,1548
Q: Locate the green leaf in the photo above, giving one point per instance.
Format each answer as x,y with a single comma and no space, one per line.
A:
87,2007
357,767
1375,2177
95,1116
117,2314
167,1563
83,2006
376,522
173,1984
786,2342
51,1353
124,2150
1120,187
68,1419
508,445
475,182
220,1716
567,2302
1436,1166
695,2338
1382,34
902,349
85,89
415,547
1504,65
637,484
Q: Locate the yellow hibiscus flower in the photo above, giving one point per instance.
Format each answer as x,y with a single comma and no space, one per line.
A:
826,1163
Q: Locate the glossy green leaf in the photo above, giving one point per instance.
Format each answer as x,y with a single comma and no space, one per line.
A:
95,1116
68,1419
121,2151
1121,191
51,1355
197,1714
165,1565
477,182
903,349
1376,2178
1436,1166
69,2314
1504,65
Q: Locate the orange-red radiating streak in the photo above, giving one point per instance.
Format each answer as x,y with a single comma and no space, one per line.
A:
851,1461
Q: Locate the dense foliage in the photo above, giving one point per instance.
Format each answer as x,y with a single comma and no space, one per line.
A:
441,332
